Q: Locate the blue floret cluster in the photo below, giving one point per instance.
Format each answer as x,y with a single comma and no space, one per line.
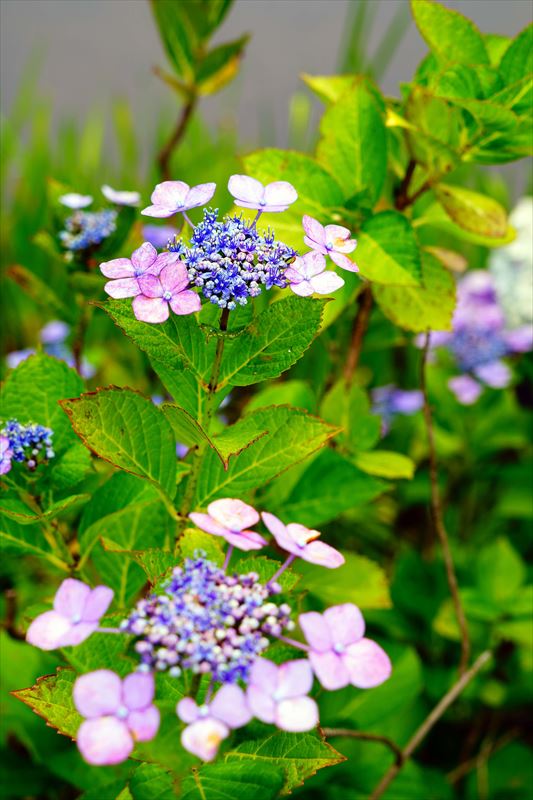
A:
207,621
230,261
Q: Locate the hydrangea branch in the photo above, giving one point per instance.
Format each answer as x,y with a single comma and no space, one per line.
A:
367,737
167,150
360,326
438,517
421,733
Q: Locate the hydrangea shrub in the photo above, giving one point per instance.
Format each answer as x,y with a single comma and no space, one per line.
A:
222,561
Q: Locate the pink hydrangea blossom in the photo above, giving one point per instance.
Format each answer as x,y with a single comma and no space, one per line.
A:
231,518
209,724
250,193
76,615
120,197
173,197
330,240
164,292
75,201
118,713
302,542
307,276
278,694
339,653
125,272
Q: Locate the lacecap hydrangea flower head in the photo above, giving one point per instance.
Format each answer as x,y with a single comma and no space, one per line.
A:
29,444
226,261
480,338
211,627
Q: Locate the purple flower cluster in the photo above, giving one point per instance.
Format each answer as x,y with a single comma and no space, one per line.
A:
87,229
207,621
30,444
227,260
217,623
230,261
389,401
480,339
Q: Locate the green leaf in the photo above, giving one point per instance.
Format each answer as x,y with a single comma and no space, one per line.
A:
125,514
386,464
327,487
294,393
436,127
450,36
178,35
353,143
31,394
274,341
350,409
500,572
15,508
51,698
128,430
315,185
176,344
220,66
517,61
475,212
388,252
150,782
419,308
435,216
297,756
102,651
292,436
225,781
26,540
359,580
329,88
230,442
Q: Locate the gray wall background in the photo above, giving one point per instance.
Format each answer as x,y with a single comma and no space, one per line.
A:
96,50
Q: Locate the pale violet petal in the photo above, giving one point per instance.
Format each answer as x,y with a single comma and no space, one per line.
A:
97,693
367,663
314,231
295,678
103,741
233,513
229,705
279,193
187,710
316,631
144,724
143,257
303,289
121,198
208,524
122,287
343,262
326,283
329,669
70,598
117,268
279,532
264,674
170,194
47,630
150,309
200,195
75,201
203,738
261,704
297,714
138,690
322,554
186,302
97,603
345,623
246,189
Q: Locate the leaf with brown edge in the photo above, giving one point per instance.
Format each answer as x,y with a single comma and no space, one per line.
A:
299,755
51,699
125,428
